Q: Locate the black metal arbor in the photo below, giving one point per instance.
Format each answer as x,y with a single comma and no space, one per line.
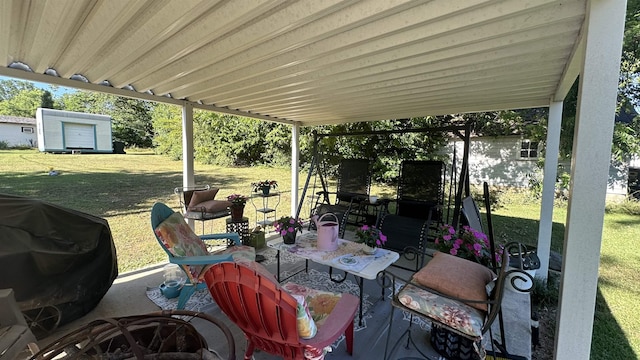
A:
461,188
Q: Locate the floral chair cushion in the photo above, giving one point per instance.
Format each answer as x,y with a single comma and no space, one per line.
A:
320,303
180,240
458,316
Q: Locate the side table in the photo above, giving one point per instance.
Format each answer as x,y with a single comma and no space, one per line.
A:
241,227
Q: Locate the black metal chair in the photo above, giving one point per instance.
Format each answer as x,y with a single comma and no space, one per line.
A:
354,182
185,194
421,190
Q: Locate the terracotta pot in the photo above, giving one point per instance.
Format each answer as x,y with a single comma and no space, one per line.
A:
237,212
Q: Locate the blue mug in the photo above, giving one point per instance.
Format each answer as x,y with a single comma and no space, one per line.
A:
170,289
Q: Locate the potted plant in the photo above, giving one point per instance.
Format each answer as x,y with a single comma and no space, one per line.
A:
468,243
288,226
237,206
371,237
264,186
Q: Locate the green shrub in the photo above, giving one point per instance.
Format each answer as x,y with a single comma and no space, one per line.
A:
629,205
545,293
4,145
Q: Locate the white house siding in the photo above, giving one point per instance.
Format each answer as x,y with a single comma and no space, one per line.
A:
14,131
496,160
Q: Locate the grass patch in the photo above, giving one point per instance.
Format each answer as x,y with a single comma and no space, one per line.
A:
123,187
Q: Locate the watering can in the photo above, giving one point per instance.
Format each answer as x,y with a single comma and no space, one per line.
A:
327,226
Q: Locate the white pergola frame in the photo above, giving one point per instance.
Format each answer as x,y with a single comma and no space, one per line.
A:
595,57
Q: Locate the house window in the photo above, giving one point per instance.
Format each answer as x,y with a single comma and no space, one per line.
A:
27,129
529,149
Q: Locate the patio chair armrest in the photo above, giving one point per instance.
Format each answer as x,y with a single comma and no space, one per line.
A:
200,260
335,323
233,236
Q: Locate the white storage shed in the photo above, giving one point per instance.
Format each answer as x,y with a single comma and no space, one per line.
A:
68,131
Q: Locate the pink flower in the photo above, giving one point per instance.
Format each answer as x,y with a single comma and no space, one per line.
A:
365,227
283,232
453,252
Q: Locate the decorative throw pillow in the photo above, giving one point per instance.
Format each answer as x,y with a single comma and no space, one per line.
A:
320,303
202,195
306,326
454,276
180,240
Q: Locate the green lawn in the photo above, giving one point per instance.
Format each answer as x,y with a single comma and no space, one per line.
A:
122,189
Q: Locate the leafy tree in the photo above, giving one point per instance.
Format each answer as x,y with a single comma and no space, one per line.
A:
24,103
132,122
167,127
11,88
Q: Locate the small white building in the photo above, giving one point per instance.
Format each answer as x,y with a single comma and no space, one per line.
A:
18,131
68,131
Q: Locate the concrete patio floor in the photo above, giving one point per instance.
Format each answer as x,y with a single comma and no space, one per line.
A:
127,297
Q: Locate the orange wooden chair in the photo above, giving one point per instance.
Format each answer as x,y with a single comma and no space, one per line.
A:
267,313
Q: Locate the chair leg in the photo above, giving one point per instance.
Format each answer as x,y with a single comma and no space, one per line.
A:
349,336
185,294
249,353
386,347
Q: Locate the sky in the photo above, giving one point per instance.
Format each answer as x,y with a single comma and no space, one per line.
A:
57,93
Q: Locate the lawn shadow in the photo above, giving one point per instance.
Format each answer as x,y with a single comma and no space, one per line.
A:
104,194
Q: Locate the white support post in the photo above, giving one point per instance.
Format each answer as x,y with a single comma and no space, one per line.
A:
295,166
603,32
187,150
552,151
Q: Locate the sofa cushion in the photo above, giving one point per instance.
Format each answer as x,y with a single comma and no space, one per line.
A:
454,276
210,206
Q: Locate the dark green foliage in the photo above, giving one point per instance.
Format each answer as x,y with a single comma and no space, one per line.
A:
545,293
132,122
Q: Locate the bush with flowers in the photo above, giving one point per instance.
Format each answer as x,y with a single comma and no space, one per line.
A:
468,243
287,224
237,199
371,236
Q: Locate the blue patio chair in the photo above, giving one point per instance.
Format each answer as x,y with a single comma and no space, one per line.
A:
189,251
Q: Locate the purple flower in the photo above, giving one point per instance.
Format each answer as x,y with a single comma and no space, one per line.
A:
453,252
477,247
283,232
365,227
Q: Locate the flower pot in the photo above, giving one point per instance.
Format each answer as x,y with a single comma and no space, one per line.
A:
265,190
369,250
237,212
290,238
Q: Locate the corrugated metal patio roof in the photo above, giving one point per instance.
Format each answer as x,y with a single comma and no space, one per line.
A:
314,62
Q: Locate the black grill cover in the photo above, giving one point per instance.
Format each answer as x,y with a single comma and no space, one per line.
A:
54,256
